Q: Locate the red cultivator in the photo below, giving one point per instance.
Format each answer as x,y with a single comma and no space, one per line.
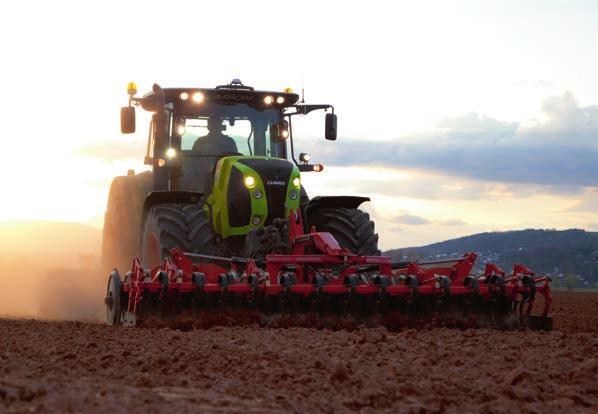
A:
318,277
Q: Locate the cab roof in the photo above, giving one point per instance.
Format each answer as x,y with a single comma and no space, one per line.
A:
232,93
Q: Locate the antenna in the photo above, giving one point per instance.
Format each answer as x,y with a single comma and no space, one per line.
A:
302,95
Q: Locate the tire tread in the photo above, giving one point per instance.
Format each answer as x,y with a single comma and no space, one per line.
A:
352,228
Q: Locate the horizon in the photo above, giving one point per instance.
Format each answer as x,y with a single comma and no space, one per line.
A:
98,229
466,117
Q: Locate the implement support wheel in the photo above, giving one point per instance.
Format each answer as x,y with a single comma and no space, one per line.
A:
112,300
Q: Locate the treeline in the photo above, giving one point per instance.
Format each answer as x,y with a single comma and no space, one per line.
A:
567,255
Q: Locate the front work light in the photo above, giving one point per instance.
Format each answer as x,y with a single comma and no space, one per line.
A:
304,157
184,96
268,100
197,97
280,100
171,153
282,130
249,181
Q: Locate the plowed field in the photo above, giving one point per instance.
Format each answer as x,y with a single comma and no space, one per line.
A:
83,367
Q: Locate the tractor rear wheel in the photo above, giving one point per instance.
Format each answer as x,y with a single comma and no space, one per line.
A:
175,225
351,227
122,221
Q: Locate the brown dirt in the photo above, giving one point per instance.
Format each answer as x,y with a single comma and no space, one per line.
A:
77,367
576,311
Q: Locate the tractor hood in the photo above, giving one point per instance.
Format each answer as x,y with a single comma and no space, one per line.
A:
250,192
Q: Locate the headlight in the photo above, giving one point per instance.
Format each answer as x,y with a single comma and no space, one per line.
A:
249,181
180,130
184,96
296,181
293,195
280,100
171,153
268,100
257,194
197,97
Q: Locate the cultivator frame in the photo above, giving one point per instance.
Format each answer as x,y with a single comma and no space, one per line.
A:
317,276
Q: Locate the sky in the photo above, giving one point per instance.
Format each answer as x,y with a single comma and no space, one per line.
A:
455,117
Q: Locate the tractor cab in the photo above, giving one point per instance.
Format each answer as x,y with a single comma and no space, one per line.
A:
192,129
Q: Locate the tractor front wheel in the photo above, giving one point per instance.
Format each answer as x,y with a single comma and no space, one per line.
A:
175,225
351,227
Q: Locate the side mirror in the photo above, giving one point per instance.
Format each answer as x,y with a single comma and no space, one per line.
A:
127,119
330,129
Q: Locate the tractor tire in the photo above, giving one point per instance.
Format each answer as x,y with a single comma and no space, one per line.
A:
351,227
122,221
176,225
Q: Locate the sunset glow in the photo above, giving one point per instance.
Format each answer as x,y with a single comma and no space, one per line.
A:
449,120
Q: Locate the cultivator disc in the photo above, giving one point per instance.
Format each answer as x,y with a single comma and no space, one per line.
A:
112,300
319,280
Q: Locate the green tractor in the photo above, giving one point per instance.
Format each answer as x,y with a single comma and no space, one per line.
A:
224,175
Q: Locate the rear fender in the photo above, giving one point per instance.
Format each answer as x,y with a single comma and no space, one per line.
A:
318,203
170,197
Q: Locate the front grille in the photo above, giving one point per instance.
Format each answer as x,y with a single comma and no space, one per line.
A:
239,200
277,172
276,197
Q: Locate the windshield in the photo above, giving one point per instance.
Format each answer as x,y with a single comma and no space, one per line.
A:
219,129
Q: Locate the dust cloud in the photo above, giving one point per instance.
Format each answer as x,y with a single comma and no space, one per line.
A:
51,271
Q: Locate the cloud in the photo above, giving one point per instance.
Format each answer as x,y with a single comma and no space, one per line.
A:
586,204
410,219
414,220
453,222
422,185
558,150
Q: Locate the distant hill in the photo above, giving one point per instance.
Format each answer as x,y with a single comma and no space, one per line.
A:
545,251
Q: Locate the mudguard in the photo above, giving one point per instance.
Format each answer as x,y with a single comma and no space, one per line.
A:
318,203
